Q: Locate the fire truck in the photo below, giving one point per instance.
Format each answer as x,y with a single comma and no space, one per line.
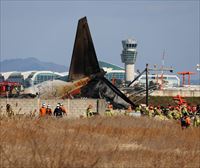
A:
10,88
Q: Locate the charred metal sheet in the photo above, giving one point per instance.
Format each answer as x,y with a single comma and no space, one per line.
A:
100,87
84,63
84,60
117,91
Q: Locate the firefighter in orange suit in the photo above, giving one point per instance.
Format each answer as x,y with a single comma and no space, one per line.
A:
43,110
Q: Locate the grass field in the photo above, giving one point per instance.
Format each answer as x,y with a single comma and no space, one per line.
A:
97,142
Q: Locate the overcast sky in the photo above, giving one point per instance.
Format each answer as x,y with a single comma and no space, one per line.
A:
46,30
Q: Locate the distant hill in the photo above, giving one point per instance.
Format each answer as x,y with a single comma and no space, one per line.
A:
29,64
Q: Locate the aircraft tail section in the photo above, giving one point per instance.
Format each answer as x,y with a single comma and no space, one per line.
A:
84,65
84,60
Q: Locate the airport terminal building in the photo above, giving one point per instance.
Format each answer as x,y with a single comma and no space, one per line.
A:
31,78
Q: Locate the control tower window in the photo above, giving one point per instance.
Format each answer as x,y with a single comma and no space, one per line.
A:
131,45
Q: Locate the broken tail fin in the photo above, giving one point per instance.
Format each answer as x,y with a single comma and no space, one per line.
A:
84,60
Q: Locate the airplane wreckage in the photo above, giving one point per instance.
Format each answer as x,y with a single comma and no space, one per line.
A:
85,78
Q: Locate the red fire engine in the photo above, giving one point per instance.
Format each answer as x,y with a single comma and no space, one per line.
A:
8,88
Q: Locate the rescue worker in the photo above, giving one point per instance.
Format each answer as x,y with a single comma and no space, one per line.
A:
129,110
184,110
158,113
194,109
48,110
185,121
64,111
89,112
143,109
9,110
170,115
43,110
189,110
150,111
109,110
146,110
196,122
188,121
165,110
178,112
58,112
198,110
175,113
138,109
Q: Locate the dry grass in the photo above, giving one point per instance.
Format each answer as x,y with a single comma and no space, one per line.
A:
97,142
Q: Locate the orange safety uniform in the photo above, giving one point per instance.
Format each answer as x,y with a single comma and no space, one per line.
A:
110,106
48,111
188,121
63,109
42,111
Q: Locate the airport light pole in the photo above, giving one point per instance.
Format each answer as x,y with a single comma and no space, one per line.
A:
147,86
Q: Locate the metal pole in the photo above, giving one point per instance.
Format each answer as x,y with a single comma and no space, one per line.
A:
188,79
97,106
183,79
38,103
147,86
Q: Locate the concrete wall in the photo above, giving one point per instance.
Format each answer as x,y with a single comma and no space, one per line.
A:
75,107
184,93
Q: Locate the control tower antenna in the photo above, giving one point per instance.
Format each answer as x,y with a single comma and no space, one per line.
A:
128,57
163,64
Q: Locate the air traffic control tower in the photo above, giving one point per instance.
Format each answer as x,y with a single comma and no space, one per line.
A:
128,57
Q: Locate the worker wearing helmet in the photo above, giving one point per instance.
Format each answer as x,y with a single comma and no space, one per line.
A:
109,110
150,111
158,114
185,121
48,110
176,114
58,111
89,112
184,110
129,110
43,110
64,111
196,122
137,109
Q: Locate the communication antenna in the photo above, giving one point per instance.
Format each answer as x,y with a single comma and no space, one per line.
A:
163,63
161,70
